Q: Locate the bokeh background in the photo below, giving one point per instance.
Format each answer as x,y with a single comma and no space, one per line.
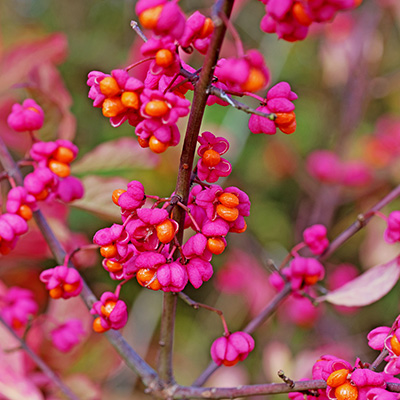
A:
347,77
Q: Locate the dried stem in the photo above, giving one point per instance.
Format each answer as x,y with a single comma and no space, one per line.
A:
245,390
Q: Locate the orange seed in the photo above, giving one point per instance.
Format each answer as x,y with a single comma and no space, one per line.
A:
156,146
130,100
165,231
109,251
25,212
337,378
211,158
107,308
394,342
227,213
64,155
112,107
215,245
59,168
346,392
109,86
300,14
207,28
149,18
255,81
229,200
113,266
97,327
156,108
164,58
116,194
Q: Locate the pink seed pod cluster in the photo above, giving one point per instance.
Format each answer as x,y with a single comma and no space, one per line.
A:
229,350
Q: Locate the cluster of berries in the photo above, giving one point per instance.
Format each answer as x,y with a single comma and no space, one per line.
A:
154,106
49,180
143,245
345,382
290,19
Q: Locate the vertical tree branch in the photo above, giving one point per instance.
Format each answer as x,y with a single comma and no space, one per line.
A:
184,174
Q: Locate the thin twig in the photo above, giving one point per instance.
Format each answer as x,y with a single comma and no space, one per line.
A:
239,105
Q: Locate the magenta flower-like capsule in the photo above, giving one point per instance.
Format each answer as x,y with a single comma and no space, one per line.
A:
18,305
112,311
62,281
305,271
26,117
229,350
392,232
315,238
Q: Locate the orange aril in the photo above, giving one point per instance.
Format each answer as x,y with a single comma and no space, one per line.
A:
25,212
97,327
109,251
71,287
164,58
59,168
395,344
130,100
156,108
143,142
207,29
149,18
337,378
146,278
56,292
346,392
33,109
215,245
231,363
289,128
64,155
211,158
107,308
113,266
229,200
116,194
255,81
300,14
156,146
311,279
234,230
112,107
109,86
227,213
42,195
165,231
285,118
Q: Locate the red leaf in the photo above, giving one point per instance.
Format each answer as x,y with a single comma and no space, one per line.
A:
366,288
